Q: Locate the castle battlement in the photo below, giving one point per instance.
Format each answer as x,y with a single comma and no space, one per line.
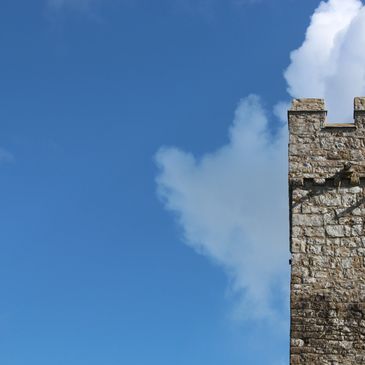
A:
320,150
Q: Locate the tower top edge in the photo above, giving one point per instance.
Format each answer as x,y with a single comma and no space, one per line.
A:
308,104
319,105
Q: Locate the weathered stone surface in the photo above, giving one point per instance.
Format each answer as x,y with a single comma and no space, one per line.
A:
359,104
308,104
327,205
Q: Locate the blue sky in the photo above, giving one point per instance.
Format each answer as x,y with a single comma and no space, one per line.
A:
93,268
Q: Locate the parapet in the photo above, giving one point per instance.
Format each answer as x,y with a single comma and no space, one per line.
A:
308,105
321,151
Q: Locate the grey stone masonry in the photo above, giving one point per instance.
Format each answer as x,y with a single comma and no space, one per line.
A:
327,235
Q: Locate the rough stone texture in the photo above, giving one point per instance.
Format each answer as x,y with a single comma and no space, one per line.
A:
327,214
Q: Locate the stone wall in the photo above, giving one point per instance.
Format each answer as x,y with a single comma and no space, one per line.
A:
327,237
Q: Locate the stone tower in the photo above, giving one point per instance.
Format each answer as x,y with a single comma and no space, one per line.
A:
327,238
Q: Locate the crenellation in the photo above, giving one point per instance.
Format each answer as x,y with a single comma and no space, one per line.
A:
359,104
310,104
327,235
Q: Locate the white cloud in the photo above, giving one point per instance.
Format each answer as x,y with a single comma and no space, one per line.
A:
230,204
233,204
331,61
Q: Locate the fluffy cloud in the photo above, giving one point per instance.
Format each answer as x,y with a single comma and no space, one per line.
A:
233,204
330,63
225,202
